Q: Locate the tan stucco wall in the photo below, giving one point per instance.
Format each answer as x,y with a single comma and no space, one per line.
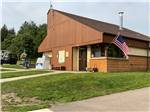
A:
88,56
75,59
138,51
100,63
49,54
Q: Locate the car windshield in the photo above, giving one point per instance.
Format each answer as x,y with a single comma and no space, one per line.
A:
12,55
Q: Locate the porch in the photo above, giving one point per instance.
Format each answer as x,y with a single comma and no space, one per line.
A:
109,64
103,57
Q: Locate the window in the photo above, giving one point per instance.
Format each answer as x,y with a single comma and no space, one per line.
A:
96,51
114,51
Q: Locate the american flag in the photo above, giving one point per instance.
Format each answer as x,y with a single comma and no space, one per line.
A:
119,41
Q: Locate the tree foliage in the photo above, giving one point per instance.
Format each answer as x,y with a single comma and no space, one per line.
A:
28,38
6,37
4,32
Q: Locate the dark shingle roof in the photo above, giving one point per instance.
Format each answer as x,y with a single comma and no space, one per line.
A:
106,27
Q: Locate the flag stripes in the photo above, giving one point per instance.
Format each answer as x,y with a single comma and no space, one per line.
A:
119,42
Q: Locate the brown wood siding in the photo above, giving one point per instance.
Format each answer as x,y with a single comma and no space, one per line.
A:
63,31
117,65
44,46
106,27
130,42
135,63
101,64
68,60
70,32
138,63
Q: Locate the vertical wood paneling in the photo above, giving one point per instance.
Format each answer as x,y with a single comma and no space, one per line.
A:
118,65
101,64
135,63
69,32
64,31
138,63
68,60
130,42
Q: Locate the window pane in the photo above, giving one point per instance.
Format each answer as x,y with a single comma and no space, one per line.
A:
114,51
96,51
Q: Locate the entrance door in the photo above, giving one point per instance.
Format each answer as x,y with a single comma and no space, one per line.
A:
82,58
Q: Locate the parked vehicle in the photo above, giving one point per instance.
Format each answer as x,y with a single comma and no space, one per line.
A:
7,57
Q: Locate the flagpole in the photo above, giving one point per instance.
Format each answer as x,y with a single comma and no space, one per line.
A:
120,29
121,21
121,25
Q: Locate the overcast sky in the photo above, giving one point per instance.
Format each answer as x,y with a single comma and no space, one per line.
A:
136,17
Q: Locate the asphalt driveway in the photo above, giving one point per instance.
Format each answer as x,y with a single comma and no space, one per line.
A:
130,101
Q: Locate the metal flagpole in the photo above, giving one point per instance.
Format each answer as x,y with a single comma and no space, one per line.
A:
121,20
120,29
51,6
121,24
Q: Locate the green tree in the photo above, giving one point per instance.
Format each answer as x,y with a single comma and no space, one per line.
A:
28,26
27,44
15,46
28,37
42,32
4,32
7,38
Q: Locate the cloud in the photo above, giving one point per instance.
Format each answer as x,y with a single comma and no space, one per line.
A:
0,14
14,14
76,1
135,13
135,17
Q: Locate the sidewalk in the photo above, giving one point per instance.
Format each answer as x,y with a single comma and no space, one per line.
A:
15,70
36,75
31,76
130,101
11,68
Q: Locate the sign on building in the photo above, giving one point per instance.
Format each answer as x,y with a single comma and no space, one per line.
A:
61,56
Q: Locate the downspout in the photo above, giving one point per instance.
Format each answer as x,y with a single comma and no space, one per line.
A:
148,57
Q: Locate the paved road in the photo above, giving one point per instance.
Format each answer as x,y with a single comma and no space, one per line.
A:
130,101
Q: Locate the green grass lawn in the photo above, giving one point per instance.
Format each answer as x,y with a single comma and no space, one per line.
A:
3,69
22,73
41,92
12,66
